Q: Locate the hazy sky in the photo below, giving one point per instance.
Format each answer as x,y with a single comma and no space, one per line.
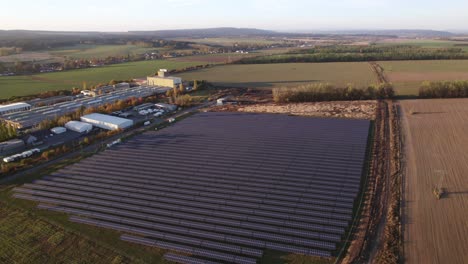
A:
301,15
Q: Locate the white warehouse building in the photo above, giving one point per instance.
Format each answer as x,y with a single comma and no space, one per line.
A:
106,121
79,127
16,107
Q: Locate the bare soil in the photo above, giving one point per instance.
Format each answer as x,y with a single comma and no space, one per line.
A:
436,144
345,109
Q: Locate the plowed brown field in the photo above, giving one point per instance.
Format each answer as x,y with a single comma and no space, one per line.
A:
436,131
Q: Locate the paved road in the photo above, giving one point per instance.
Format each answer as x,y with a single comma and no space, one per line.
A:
97,146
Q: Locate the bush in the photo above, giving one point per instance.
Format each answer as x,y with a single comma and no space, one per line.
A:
184,100
455,89
327,92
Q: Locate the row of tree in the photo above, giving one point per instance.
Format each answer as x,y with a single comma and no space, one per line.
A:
349,54
328,92
7,132
447,89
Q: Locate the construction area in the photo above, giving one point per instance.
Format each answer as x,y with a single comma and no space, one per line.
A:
229,185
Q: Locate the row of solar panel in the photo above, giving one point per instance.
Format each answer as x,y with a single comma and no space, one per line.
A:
186,259
150,217
269,245
230,165
270,137
141,231
83,179
266,139
231,232
141,188
287,227
336,182
324,195
213,203
237,213
216,183
247,155
150,226
233,164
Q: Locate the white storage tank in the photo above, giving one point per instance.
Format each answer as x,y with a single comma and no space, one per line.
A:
79,127
107,121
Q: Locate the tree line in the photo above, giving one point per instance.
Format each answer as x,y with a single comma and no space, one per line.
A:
445,89
7,132
356,54
328,92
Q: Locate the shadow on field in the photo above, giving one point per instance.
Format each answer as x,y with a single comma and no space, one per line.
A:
427,113
450,194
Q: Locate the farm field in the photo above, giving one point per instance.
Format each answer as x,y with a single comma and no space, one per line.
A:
285,74
227,41
33,84
426,43
81,51
436,231
407,76
86,51
213,58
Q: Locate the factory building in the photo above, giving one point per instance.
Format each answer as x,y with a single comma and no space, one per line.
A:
106,121
163,80
12,108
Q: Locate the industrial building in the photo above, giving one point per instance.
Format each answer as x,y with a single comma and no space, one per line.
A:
166,107
33,117
79,127
107,121
12,108
163,80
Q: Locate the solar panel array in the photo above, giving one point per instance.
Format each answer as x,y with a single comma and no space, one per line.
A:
220,187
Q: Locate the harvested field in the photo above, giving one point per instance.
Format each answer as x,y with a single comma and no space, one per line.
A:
436,231
407,76
345,109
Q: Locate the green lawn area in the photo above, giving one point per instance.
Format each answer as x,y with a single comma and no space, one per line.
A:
285,74
407,76
27,85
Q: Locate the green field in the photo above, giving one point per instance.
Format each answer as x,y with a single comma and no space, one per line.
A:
286,74
86,51
428,43
227,41
81,51
407,76
27,85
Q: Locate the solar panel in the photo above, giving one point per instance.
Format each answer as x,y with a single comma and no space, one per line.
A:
220,186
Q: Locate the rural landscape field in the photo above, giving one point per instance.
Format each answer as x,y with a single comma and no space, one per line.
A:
436,231
247,132
34,84
407,76
286,74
